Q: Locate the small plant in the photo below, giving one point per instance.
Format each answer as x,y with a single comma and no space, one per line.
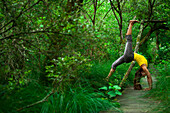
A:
112,90
15,81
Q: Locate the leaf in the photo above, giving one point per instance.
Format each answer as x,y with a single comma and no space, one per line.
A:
56,75
10,78
111,94
104,88
99,94
110,87
116,87
41,25
118,92
110,84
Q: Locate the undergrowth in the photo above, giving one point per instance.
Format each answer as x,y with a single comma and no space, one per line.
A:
161,90
83,96
75,100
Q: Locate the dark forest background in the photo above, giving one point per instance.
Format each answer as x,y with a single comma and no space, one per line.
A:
56,54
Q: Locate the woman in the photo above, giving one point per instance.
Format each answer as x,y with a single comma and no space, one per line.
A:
129,56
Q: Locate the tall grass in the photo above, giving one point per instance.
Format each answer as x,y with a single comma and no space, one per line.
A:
75,100
11,100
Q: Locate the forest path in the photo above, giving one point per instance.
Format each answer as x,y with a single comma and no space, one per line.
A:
133,101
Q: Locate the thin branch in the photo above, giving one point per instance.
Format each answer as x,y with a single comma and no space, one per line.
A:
155,21
87,14
7,30
100,4
95,10
151,4
45,98
32,32
19,14
118,3
151,31
107,13
112,6
104,18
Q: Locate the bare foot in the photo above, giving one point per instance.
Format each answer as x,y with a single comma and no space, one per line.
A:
107,79
133,22
147,89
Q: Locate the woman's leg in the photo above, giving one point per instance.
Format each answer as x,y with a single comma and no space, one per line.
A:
119,61
128,53
114,65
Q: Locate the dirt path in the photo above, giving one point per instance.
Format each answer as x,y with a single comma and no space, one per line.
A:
133,101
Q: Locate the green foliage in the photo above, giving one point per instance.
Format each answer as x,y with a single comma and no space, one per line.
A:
14,82
112,90
161,90
76,100
164,52
68,67
44,41
11,100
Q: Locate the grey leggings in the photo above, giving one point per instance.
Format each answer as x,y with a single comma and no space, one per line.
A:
128,53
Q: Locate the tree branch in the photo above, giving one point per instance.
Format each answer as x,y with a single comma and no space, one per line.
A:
100,4
104,18
95,10
112,6
45,98
87,14
155,21
32,32
151,31
38,102
19,15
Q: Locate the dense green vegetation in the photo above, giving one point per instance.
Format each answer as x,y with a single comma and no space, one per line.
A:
58,52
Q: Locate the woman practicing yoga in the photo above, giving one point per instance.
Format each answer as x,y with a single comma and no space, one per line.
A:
129,56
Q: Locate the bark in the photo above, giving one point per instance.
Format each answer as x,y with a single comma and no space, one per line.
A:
95,10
